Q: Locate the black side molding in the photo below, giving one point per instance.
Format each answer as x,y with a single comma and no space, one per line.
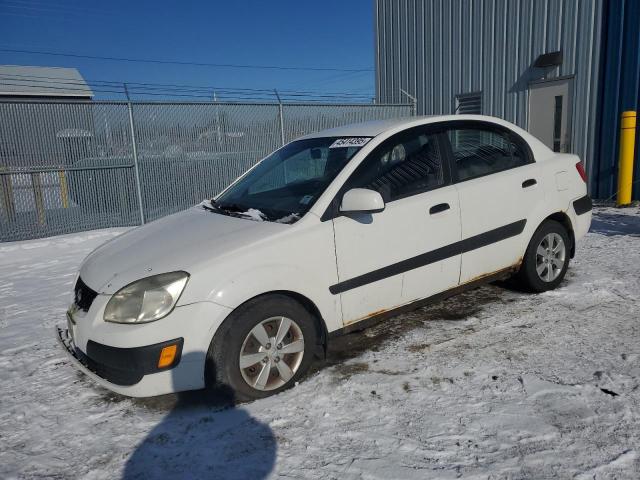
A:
437,255
583,205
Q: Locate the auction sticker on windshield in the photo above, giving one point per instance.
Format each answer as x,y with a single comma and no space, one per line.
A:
350,142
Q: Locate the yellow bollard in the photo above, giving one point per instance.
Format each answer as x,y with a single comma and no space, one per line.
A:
625,165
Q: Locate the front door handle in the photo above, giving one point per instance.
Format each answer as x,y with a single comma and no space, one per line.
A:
441,207
529,183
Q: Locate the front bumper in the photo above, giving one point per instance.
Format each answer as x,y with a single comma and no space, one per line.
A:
121,366
144,386
131,367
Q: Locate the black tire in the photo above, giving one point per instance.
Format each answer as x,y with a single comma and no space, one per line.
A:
527,277
223,357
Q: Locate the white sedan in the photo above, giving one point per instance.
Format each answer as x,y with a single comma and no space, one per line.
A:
331,231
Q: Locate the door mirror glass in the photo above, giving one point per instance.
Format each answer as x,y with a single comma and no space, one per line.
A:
362,200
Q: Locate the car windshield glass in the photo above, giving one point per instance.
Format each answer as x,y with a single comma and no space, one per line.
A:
284,186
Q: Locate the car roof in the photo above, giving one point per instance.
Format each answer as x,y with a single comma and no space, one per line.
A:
374,128
371,128
388,127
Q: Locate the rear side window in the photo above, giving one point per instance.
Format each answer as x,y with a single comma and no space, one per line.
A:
478,152
406,164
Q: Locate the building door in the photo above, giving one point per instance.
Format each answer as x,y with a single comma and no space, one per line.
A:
550,113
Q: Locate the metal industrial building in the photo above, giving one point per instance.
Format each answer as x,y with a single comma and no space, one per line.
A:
563,69
21,82
23,118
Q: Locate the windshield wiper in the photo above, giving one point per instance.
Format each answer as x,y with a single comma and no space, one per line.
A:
230,207
213,206
237,210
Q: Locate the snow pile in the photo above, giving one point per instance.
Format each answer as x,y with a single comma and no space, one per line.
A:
492,383
253,214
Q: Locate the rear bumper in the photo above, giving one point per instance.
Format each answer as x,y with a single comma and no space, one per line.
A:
580,215
583,205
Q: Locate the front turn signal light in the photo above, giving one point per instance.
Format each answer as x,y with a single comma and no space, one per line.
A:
167,356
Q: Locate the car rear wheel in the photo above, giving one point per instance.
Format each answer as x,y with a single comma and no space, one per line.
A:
547,258
264,347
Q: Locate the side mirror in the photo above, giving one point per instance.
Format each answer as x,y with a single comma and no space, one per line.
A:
362,200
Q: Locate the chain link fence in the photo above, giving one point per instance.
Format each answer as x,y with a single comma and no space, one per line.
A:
73,166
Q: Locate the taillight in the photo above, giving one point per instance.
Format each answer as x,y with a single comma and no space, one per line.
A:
581,171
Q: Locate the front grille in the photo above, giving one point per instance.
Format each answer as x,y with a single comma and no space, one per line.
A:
83,295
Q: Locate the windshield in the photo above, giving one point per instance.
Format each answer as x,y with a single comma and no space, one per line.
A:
284,186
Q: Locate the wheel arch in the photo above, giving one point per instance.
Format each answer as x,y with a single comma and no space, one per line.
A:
563,219
307,303
312,308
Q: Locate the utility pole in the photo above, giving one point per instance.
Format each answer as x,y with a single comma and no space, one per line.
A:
414,102
280,114
134,147
218,130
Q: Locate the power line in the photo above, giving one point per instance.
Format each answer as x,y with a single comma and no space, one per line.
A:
179,92
54,9
227,95
58,83
177,62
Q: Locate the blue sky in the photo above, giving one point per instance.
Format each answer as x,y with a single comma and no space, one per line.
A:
327,33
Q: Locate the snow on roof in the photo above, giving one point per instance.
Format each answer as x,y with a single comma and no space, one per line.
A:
19,80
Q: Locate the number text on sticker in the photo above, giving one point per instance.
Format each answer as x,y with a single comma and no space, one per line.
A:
350,142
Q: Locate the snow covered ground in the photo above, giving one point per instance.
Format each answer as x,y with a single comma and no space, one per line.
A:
491,384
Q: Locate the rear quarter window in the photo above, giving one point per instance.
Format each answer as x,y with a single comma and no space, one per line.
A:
479,151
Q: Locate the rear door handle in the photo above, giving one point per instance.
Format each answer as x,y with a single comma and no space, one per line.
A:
529,183
441,207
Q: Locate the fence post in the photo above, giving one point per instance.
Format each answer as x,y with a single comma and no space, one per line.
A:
6,190
38,197
135,161
281,117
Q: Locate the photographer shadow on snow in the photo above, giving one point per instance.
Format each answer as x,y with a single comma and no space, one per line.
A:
204,436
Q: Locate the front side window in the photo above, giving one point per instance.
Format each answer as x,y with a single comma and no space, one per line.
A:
478,152
404,165
285,185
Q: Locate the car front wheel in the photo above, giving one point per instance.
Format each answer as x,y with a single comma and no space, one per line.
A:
264,347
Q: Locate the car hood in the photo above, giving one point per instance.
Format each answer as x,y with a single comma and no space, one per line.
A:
177,242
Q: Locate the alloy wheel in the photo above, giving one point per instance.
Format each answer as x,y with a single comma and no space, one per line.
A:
550,257
271,353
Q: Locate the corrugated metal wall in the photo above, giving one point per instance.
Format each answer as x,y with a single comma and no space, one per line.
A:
436,49
620,87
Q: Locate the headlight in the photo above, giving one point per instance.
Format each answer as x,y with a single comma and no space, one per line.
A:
146,300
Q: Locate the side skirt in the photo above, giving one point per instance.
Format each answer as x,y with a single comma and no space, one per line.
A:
383,315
